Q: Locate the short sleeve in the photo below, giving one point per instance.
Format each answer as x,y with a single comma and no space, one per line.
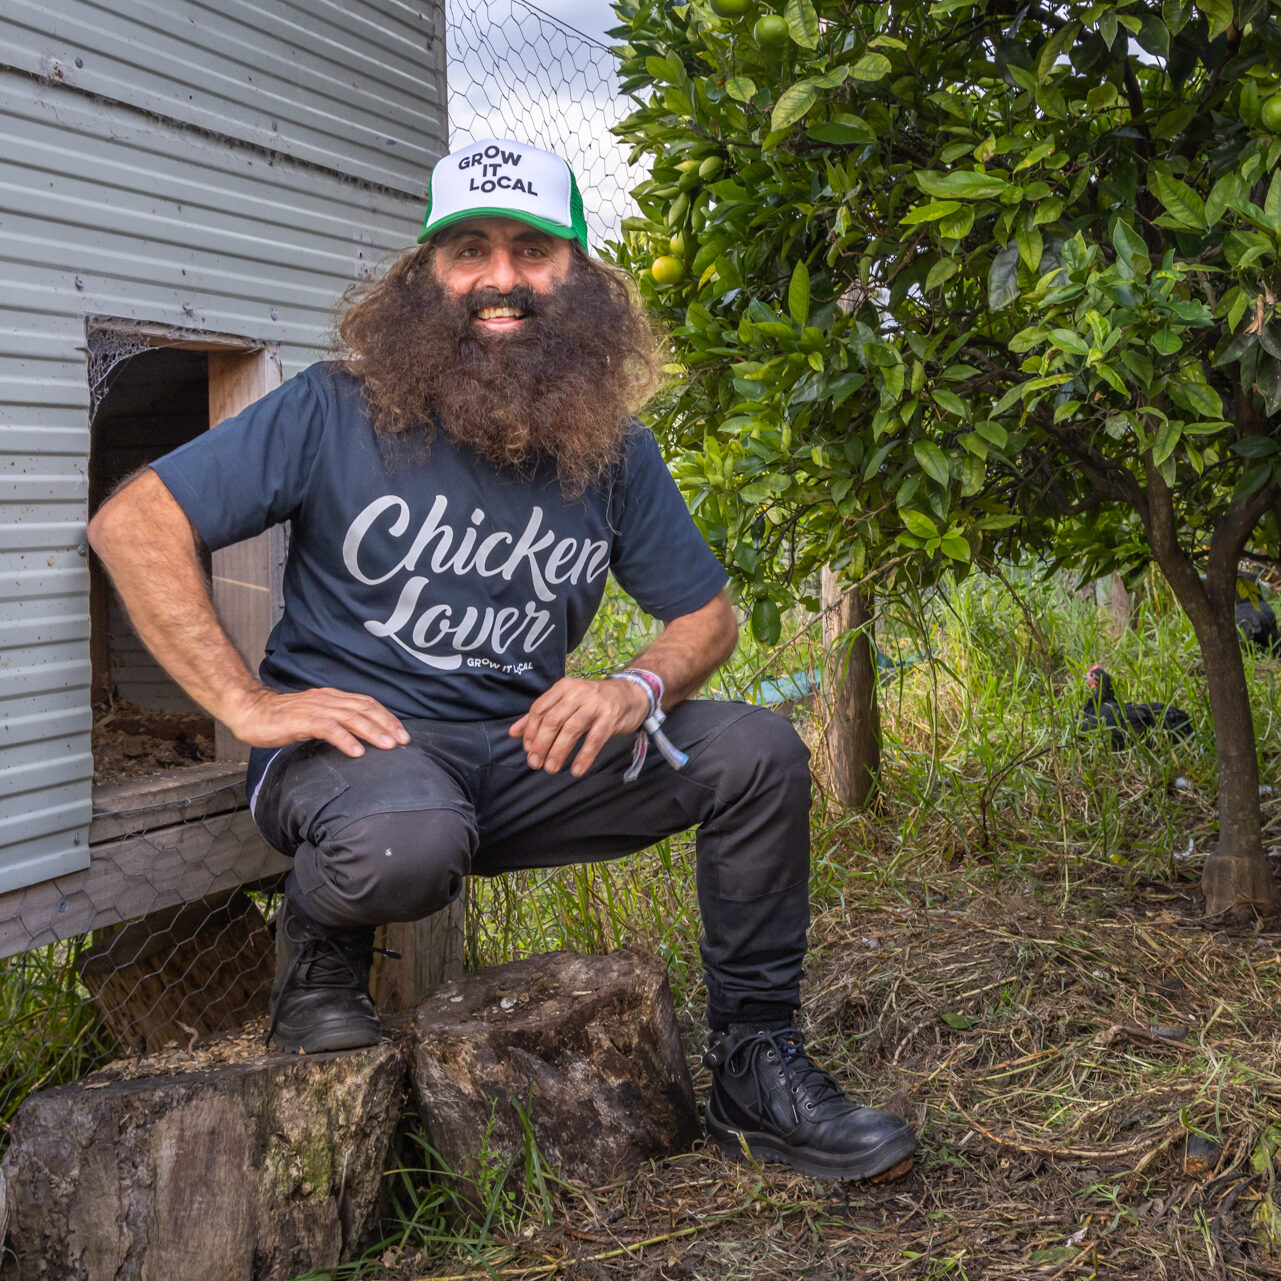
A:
659,558
251,471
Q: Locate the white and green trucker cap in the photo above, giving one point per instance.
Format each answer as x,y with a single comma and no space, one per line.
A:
497,177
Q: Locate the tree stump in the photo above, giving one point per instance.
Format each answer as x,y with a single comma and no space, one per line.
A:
254,1170
586,1047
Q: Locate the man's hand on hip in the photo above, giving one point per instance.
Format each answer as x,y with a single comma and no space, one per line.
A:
574,709
268,719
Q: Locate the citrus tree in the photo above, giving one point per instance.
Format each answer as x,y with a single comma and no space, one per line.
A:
951,279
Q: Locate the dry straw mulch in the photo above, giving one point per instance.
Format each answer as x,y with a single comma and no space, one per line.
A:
1059,1059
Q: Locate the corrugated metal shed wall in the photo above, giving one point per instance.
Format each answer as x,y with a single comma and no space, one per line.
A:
108,210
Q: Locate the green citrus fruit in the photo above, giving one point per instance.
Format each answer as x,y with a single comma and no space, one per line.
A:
677,245
667,270
1270,113
730,8
771,31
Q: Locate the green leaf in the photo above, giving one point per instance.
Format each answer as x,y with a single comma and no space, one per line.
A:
919,523
964,184
962,1022
1220,13
1129,246
792,105
955,547
802,22
767,623
832,79
1180,201
933,461
1069,341
949,402
741,87
1272,204
1166,342
931,212
993,432
1255,447
1166,441
871,66
958,224
798,294
1204,400
1003,278
942,272
848,129
1028,240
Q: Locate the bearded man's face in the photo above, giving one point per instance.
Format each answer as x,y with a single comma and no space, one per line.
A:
509,342
487,260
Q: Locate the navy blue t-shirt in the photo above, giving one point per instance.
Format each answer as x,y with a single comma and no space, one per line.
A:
440,585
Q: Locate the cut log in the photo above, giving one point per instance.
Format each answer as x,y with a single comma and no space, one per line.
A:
256,1170
586,1047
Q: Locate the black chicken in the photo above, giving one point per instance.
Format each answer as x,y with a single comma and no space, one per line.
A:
1128,721
1258,624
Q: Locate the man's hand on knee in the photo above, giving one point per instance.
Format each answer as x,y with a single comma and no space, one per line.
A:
574,709
268,719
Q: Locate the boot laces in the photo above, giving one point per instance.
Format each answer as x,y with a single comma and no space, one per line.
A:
788,1045
326,958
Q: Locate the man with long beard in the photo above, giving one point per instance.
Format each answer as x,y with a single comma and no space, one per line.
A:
457,487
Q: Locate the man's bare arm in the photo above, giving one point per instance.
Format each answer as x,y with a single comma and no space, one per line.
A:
149,547
687,651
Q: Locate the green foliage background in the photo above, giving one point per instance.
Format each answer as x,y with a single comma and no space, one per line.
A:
960,278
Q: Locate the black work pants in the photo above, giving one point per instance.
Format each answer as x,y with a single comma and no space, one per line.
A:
390,835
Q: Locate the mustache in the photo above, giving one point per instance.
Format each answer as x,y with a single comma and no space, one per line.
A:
520,298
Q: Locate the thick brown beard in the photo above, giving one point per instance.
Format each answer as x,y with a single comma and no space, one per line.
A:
560,388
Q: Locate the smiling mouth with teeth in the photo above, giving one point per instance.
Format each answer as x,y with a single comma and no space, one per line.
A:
500,314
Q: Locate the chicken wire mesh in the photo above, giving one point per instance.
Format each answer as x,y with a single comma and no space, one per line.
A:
516,72
168,938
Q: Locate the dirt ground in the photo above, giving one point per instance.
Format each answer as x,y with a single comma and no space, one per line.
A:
129,741
1061,1055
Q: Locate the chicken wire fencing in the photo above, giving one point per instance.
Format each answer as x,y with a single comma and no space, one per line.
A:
169,938
516,72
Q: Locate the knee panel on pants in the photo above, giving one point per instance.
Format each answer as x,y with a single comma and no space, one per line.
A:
400,866
764,749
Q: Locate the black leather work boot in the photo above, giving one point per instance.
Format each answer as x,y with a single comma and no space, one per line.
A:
766,1088
320,997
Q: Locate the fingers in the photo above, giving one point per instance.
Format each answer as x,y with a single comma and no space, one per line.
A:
348,721
574,710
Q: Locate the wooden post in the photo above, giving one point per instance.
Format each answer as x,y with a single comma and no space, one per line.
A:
242,573
431,953
1120,606
853,734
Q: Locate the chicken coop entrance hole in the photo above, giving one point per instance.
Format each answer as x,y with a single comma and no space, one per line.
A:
153,389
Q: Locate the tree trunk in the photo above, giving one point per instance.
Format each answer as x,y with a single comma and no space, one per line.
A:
1236,878
853,735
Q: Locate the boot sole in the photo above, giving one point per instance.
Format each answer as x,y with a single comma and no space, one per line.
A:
318,1039
892,1152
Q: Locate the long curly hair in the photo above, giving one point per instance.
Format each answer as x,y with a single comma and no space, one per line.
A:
562,388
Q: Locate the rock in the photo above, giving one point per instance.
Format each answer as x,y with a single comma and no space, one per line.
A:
245,1171
586,1046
